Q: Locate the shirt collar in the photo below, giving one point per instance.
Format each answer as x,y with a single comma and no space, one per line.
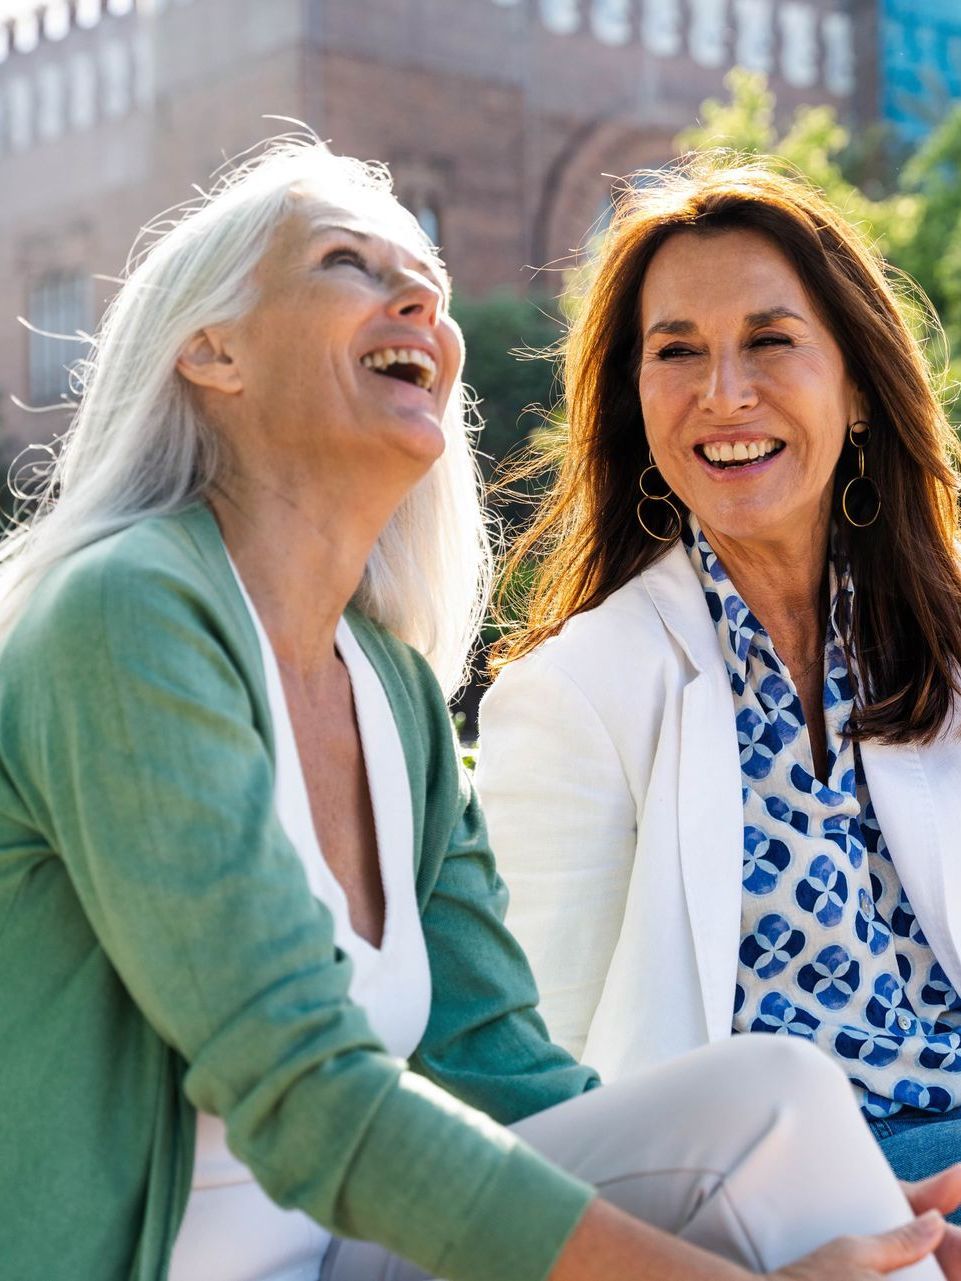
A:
739,630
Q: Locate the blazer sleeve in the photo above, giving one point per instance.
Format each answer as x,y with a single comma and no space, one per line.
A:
141,762
563,823
485,1040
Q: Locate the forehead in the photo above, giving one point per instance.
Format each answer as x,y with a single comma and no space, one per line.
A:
700,274
372,217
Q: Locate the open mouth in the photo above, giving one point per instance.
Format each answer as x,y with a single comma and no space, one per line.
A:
407,364
723,455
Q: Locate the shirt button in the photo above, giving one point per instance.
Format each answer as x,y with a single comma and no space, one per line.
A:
904,1022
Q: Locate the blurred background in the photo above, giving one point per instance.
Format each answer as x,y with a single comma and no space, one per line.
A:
504,123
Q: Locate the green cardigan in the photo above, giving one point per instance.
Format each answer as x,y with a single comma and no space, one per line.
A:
160,952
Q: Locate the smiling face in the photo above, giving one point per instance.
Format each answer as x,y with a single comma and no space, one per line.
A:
745,397
349,355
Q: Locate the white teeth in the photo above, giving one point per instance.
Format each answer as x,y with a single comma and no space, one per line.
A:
387,356
728,451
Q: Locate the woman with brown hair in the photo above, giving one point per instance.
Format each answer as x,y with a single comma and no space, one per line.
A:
721,763
261,1019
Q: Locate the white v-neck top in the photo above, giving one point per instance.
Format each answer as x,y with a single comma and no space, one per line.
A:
231,1230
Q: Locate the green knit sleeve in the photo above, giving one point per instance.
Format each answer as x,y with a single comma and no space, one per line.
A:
485,1040
138,749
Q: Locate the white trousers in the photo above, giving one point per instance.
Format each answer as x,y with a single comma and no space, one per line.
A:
753,1148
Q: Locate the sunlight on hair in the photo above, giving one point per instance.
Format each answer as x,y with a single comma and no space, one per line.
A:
137,445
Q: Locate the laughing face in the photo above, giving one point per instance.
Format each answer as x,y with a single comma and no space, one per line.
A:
745,397
349,356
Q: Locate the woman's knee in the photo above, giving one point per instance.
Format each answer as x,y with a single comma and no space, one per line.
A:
789,1071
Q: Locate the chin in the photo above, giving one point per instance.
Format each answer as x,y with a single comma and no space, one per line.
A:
760,525
422,441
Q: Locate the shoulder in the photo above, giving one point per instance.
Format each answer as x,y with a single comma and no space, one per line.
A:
162,576
595,649
612,673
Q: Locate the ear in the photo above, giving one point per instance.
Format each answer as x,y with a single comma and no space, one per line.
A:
205,362
857,405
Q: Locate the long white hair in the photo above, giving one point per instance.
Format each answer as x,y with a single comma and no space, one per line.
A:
137,445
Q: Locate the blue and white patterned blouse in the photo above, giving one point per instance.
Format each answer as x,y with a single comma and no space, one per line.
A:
830,948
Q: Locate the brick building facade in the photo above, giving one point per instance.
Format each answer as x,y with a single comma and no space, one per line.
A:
499,118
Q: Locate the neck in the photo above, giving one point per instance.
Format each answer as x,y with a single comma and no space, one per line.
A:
301,557
782,583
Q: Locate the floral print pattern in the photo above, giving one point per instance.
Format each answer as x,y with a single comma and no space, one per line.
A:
831,948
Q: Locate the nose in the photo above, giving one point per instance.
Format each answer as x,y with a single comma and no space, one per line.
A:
727,387
417,296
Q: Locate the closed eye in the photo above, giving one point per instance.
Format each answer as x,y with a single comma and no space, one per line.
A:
772,340
673,352
344,254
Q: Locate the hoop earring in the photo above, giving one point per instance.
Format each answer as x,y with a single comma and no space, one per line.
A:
657,498
858,442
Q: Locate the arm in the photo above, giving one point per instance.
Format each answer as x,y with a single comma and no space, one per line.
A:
485,1040
611,1246
563,824
138,752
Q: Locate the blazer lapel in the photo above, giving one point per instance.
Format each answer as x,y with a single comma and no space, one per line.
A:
916,794
710,808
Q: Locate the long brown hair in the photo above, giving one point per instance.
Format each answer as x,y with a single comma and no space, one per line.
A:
585,540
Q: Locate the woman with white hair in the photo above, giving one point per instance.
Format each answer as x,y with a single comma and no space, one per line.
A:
258,998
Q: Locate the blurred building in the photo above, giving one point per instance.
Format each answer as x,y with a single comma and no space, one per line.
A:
920,69
499,118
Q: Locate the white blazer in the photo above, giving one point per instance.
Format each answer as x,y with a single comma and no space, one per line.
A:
610,775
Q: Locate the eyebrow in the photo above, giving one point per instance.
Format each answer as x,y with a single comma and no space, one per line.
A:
754,320
365,238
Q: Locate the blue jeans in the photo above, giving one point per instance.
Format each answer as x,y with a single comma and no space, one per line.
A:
917,1144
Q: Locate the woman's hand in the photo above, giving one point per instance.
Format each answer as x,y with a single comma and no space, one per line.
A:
864,1258
868,1258
941,1192
609,1245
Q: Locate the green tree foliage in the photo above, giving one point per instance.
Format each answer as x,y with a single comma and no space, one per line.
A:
509,367
507,338
916,225
815,143
933,256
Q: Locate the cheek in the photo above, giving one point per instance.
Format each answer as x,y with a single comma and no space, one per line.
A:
452,344
661,408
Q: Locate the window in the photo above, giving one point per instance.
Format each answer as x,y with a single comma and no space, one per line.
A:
661,27
59,304
19,113
611,21
82,80
426,214
754,47
87,13
561,16
839,53
115,73
708,38
799,44
56,20
51,92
